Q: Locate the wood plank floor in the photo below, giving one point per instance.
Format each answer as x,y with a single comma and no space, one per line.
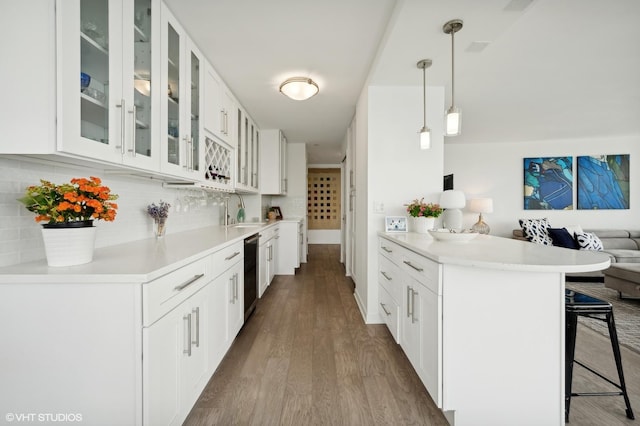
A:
306,357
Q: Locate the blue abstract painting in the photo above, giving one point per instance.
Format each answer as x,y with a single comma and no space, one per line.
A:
548,183
603,182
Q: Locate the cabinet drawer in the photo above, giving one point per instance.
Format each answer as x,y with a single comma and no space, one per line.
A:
389,276
165,293
268,233
225,258
422,269
389,312
389,250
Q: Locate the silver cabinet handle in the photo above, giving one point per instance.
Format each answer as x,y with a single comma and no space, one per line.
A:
409,293
133,112
236,286
196,312
413,306
187,349
186,153
122,111
232,282
406,262
223,127
384,274
232,256
385,309
388,250
188,282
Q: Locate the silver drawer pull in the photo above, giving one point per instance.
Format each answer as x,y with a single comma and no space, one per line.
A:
196,311
385,309
188,283
232,256
406,262
187,321
384,274
387,249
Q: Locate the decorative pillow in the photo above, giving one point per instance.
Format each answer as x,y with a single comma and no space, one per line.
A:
562,238
574,229
588,241
535,230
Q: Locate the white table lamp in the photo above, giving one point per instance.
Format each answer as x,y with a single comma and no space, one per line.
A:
452,201
481,205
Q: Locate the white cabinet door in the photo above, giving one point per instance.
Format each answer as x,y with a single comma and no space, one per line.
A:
182,79
175,361
273,168
114,44
163,344
263,272
235,297
218,318
273,259
218,105
288,249
90,42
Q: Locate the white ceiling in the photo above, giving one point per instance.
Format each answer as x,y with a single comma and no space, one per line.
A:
552,69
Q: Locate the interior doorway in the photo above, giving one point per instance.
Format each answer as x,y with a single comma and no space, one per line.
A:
324,205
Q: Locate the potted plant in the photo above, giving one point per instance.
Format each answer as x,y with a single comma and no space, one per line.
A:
159,213
69,211
423,214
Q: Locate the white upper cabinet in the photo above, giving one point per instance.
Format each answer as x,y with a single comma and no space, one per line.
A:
273,162
107,62
247,152
218,106
181,83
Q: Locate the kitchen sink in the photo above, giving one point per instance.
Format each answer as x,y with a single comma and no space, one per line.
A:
248,225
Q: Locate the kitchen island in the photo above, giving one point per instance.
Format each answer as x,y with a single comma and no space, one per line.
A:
482,322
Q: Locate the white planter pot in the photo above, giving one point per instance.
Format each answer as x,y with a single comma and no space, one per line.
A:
69,246
422,225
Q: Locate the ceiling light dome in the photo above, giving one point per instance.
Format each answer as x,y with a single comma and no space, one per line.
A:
299,88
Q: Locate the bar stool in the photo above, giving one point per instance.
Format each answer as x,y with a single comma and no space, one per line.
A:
578,304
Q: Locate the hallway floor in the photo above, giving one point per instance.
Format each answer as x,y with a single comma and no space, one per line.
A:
306,357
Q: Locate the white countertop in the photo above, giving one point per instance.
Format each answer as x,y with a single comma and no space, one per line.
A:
507,254
138,261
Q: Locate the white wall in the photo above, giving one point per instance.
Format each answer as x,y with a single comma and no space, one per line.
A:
395,171
495,170
20,236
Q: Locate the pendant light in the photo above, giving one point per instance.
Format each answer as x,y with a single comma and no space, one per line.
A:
453,123
425,132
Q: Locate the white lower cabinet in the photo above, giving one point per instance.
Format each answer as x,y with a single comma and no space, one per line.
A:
410,287
175,361
289,247
234,279
267,257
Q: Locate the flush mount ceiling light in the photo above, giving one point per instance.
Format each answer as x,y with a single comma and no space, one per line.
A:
425,132
453,123
299,88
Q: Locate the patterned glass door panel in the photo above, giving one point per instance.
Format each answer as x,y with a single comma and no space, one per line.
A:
323,198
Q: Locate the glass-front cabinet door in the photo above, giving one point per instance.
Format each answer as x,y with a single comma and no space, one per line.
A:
107,46
182,79
89,70
141,68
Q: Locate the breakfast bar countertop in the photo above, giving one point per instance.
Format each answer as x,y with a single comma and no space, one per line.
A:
501,253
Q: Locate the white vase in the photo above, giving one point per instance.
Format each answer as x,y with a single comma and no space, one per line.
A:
69,246
422,224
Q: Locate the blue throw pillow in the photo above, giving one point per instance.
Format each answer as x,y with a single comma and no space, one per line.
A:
562,238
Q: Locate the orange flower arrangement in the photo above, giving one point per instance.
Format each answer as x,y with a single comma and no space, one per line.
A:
82,199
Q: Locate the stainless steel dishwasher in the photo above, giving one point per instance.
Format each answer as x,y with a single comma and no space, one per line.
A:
250,274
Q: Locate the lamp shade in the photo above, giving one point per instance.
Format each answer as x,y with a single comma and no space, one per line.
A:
299,88
425,138
481,205
452,199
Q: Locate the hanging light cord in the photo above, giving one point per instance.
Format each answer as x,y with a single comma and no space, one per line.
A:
453,84
424,95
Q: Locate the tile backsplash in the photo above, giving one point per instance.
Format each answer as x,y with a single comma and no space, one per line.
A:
20,236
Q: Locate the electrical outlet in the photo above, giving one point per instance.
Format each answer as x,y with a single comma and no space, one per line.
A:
378,207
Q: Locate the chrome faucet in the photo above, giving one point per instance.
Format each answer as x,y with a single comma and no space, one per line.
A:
226,207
